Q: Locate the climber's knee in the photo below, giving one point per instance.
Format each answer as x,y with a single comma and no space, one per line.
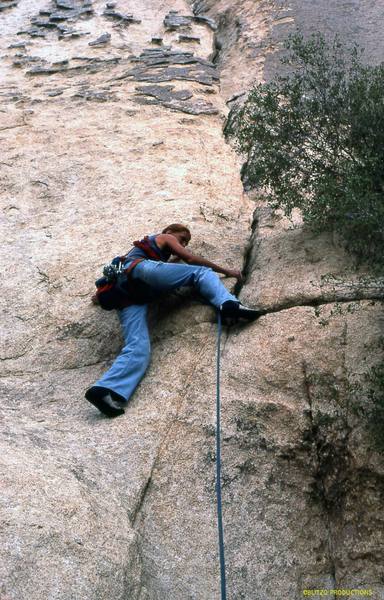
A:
198,274
138,349
204,270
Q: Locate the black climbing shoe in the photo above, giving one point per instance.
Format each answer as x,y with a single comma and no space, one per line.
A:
236,310
102,399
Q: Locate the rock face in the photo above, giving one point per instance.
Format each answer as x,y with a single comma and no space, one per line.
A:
96,153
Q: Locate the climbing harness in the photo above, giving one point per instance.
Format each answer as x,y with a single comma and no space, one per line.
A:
218,466
116,289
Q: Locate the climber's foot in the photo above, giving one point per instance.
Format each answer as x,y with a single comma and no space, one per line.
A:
102,399
236,310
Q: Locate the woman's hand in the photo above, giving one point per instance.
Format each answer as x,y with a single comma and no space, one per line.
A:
235,273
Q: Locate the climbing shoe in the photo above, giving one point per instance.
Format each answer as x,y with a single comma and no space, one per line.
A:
103,400
236,310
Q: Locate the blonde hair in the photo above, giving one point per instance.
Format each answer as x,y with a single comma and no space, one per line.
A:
176,227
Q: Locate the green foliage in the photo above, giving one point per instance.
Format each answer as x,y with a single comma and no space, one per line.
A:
314,140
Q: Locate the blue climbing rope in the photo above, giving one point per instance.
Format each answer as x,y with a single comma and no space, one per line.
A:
218,466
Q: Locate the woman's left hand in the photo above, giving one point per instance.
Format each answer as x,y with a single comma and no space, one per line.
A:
235,273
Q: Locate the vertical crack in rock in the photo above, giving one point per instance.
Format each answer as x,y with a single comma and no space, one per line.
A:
352,293
138,515
93,160
227,30
334,474
144,490
247,262
146,487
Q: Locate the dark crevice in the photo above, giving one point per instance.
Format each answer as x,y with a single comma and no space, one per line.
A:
322,302
226,34
246,270
287,304
140,502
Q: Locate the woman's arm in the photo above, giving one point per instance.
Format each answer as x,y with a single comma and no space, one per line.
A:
194,259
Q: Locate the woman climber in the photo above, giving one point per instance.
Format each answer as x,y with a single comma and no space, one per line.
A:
112,391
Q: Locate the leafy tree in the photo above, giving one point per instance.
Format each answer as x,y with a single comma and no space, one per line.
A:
314,139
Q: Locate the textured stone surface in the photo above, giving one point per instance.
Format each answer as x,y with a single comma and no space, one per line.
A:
4,4
101,40
293,466
166,96
288,265
157,65
94,508
75,192
72,11
122,18
173,21
250,34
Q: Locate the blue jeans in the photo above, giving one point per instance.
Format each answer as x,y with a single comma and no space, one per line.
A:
133,360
